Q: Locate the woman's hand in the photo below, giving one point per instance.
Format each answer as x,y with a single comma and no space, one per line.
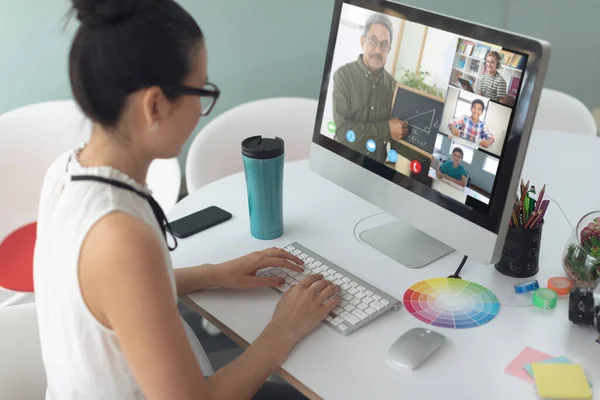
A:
241,272
303,306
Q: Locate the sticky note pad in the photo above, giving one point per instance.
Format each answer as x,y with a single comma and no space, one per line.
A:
526,356
557,360
561,381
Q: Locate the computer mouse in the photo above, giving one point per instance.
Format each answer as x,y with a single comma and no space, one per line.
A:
416,345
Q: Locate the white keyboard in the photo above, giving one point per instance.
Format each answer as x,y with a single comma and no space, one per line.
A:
361,302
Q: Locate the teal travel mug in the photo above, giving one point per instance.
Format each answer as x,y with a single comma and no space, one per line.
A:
263,165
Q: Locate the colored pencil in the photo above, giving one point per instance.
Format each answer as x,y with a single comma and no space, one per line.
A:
542,213
540,198
531,219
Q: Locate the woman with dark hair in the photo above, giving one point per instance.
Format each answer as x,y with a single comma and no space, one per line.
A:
106,291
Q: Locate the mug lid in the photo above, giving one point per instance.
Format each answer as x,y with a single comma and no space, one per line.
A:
262,148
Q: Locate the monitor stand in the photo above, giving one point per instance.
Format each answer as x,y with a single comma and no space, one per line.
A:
405,244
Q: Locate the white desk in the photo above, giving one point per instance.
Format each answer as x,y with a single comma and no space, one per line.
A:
471,364
454,190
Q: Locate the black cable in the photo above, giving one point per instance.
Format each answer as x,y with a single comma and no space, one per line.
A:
460,267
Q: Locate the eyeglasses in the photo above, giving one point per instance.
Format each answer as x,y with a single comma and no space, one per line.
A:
208,95
383,45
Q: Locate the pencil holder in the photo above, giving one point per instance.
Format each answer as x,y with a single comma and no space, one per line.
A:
521,252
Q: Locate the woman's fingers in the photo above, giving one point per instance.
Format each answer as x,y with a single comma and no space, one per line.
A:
280,263
320,286
280,253
326,293
309,280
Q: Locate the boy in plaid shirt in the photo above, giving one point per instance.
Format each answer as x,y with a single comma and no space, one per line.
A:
472,128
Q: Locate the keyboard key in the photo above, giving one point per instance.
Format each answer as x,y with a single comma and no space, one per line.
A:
347,297
292,273
352,290
346,279
310,259
318,263
342,327
345,286
338,275
336,321
328,318
303,255
360,295
343,303
361,288
300,277
306,272
367,300
377,297
368,293
376,305
370,310
294,283
353,284
360,314
384,302
337,310
350,318
284,287
290,248
297,252
354,301
349,307
362,306
289,280
338,282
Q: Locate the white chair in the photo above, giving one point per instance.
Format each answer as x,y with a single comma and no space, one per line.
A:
216,150
31,138
559,111
22,374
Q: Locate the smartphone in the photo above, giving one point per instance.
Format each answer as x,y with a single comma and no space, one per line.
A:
199,221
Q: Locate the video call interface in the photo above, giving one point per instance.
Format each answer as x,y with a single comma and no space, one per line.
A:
432,105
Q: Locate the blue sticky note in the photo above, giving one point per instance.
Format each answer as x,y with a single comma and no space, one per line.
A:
557,360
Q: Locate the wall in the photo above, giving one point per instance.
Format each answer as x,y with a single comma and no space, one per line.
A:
258,49
255,55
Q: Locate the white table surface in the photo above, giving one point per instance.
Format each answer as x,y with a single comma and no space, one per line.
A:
446,186
471,364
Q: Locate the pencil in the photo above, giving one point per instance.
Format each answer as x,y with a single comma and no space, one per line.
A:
542,212
530,220
540,198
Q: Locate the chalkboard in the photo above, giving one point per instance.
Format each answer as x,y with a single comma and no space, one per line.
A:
423,112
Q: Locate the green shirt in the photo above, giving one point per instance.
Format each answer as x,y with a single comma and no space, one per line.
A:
456,173
362,103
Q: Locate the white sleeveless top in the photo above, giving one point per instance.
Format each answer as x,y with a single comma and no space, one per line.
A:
82,358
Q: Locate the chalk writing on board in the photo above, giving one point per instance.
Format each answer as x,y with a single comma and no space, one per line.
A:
423,121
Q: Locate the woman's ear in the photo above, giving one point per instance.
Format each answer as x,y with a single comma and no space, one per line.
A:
155,107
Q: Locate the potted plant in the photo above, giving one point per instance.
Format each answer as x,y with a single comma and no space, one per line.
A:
581,258
417,81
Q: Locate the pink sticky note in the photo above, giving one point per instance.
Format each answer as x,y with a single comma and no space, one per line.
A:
526,356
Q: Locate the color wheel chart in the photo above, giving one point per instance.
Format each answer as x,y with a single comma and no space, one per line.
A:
451,303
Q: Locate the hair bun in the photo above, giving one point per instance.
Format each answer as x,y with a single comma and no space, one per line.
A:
96,13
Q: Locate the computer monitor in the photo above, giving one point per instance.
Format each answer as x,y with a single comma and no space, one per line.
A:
398,125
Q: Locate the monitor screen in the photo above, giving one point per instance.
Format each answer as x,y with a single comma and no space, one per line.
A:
429,104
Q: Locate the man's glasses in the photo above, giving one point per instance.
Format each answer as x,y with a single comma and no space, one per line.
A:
208,94
383,45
